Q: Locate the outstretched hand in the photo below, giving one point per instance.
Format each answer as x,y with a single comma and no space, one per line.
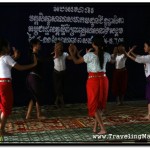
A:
131,50
57,50
89,50
78,53
72,49
16,53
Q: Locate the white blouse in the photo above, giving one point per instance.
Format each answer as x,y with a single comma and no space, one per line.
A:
145,60
93,64
6,63
59,63
120,61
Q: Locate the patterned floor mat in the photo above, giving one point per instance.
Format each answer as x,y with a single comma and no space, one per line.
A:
81,136
72,125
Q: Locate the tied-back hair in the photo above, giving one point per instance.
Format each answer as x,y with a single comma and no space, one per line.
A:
58,41
147,42
99,42
121,44
124,44
30,53
34,42
3,44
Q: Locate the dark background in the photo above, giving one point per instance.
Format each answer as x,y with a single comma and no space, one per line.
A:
13,26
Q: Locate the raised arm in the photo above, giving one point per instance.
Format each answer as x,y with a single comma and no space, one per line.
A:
16,54
124,52
78,53
25,67
138,58
73,51
113,56
69,57
129,55
132,53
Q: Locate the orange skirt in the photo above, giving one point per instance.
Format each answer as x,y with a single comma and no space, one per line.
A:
97,92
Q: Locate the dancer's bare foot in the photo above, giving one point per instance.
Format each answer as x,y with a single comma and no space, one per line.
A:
95,128
28,117
103,112
56,106
41,117
102,132
56,103
118,103
94,131
147,117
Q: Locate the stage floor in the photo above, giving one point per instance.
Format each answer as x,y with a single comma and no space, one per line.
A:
71,125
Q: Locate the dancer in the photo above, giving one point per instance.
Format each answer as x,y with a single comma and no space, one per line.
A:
97,83
6,94
119,84
34,81
59,73
145,59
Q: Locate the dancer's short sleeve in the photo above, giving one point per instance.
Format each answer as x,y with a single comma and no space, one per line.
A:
143,59
87,57
113,58
8,60
108,56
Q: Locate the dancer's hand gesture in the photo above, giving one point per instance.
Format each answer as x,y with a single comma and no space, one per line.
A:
57,50
16,53
115,51
131,50
72,49
78,53
89,50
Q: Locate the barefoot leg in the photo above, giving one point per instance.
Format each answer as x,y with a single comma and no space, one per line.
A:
95,126
99,120
30,106
39,114
3,123
148,115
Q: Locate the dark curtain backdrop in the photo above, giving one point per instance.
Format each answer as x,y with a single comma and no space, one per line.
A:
13,26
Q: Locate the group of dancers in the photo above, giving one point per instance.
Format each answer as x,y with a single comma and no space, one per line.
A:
97,83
